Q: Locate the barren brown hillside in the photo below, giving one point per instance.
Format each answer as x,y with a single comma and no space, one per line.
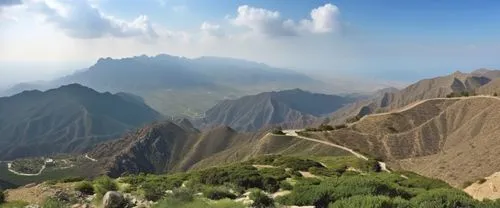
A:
451,139
166,147
437,87
491,88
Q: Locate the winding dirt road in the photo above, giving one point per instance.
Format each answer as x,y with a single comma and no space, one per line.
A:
293,132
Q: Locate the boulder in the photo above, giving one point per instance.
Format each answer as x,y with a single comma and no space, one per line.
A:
113,199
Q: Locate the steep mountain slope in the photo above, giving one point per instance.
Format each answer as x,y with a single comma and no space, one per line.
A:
166,147
491,88
180,86
437,87
67,119
451,139
291,108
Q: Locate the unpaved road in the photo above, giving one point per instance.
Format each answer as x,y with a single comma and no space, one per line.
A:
9,167
293,132
89,158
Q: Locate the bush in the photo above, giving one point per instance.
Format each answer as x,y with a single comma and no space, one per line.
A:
371,202
53,203
218,193
245,176
325,127
261,200
326,172
2,197
276,173
104,184
71,179
85,187
183,194
152,192
278,131
285,185
443,198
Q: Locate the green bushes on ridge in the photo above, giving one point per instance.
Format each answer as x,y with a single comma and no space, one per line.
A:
85,187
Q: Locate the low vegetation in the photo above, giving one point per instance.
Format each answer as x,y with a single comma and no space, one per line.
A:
338,182
460,94
326,127
28,166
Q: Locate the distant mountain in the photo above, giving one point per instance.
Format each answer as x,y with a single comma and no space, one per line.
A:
168,147
437,87
180,86
291,108
68,119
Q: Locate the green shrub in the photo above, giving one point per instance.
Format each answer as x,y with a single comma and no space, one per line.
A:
325,127
244,176
218,193
85,187
443,198
152,192
371,202
325,172
261,200
276,173
285,185
53,203
71,179
183,194
296,163
104,184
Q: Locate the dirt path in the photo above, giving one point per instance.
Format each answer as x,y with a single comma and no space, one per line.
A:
412,105
9,167
293,132
89,158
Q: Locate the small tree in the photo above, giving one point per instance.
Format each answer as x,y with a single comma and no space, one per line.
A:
278,130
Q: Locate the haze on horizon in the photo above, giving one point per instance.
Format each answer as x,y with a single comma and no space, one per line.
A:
386,40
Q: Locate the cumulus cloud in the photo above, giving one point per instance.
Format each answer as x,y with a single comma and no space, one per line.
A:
323,19
262,21
212,30
79,19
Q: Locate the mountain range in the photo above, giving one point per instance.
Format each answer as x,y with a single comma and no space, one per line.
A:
178,86
70,118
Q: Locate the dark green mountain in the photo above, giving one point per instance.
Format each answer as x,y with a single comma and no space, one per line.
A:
291,108
68,119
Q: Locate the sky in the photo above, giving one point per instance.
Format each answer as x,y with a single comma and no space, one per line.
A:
385,39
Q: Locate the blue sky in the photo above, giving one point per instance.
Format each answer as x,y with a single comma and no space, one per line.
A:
385,39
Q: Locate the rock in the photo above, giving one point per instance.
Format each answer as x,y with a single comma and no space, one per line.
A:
112,199
32,206
30,185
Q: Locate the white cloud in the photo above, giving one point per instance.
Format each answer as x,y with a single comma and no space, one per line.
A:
212,30
79,19
324,19
262,21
